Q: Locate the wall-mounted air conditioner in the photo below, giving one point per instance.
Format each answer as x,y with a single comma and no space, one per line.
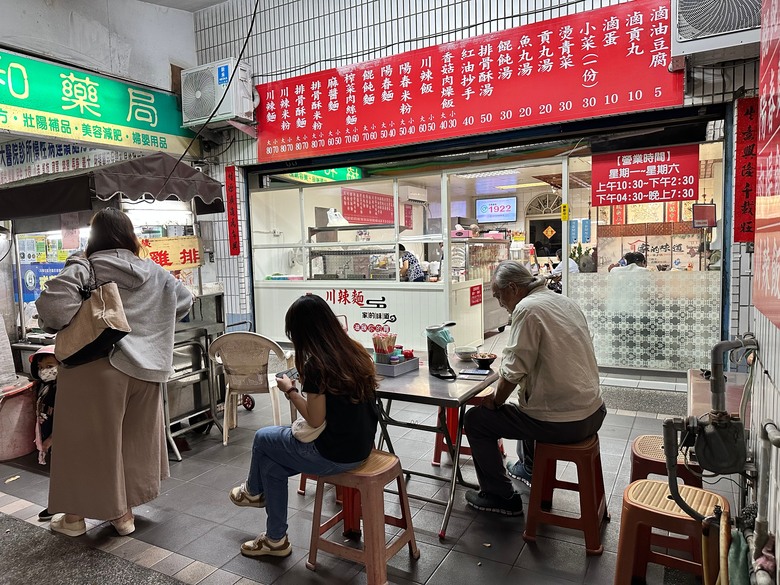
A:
202,87
710,31
412,194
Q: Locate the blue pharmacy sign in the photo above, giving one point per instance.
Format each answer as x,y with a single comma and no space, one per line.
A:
573,230
585,231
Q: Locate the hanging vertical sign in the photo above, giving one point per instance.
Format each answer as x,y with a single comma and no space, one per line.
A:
573,230
745,169
561,69
234,230
766,274
585,231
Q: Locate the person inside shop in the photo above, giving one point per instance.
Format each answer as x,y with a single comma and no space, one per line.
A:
411,270
109,451
631,262
338,379
558,270
556,404
43,369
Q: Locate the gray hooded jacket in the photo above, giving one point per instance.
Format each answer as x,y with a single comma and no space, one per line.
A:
154,301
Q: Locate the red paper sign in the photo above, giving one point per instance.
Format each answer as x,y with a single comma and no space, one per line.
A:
408,217
365,207
672,212
745,170
476,295
646,176
601,62
234,230
766,274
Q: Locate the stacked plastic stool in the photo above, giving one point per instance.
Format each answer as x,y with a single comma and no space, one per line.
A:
649,508
647,456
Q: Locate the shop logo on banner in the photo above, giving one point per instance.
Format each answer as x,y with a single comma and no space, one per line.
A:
557,70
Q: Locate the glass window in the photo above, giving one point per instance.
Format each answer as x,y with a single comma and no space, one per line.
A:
275,216
644,317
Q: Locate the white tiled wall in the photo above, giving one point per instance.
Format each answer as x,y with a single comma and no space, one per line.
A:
766,403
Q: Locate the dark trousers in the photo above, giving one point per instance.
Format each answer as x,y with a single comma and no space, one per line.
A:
484,427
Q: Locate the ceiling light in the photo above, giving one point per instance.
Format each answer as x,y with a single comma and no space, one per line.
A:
521,185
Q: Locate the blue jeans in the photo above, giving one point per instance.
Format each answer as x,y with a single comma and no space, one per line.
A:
276,456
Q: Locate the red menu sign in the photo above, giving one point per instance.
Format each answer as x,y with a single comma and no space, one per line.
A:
745,169
766,274
234,230
365,207
475,295
560,69
646,176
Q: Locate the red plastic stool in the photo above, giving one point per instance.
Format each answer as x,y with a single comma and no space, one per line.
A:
440,444
308,476
647,456
590,485
647,505
369,481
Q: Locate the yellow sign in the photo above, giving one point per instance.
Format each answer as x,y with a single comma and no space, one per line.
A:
174,253
549,232
564,212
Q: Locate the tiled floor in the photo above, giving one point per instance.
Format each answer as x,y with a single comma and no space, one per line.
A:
193,532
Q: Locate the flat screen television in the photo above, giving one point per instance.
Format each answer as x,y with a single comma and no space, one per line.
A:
496,210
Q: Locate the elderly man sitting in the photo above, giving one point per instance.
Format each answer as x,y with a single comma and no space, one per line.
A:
550,360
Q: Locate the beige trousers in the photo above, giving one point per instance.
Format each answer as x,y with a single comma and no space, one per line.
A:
108,451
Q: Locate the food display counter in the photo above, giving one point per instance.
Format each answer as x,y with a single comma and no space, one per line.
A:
344,244
477,258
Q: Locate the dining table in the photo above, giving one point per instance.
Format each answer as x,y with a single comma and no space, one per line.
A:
420,387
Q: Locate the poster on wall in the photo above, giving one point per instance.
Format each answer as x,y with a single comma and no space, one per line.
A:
669,173
556,70
766,273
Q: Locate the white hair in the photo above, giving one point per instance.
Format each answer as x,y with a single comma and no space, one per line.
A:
511,271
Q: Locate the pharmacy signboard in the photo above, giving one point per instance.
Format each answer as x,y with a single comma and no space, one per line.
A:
38,98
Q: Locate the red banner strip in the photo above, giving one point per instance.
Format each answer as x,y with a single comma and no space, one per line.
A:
745,172
234,230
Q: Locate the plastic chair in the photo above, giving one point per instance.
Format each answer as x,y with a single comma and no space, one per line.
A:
244,359
586,455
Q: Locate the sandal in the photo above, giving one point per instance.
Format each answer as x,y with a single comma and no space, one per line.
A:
263,546
76,528
241,497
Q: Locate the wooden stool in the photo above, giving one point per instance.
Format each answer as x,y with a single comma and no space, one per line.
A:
647,504
647,456
369,480
590,485
440,444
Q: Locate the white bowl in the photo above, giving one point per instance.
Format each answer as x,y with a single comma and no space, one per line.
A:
465,352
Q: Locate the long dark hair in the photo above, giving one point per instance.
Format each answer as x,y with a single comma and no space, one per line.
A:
111,229
343,366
